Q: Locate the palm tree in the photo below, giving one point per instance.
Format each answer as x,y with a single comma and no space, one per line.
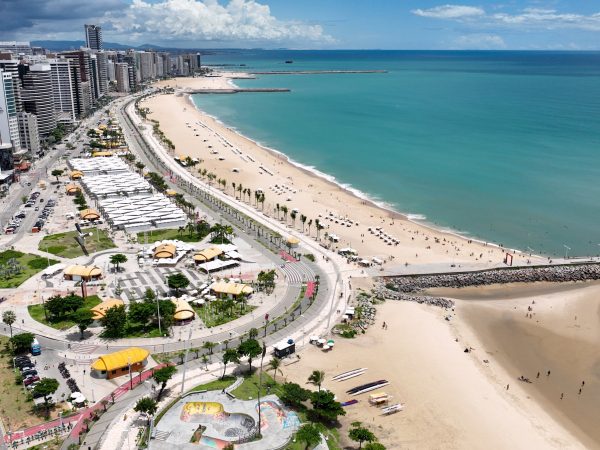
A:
277,207
275,365
249,194
293,216
239,188
233,186
284,209
317,378
303,220
309,224
262,201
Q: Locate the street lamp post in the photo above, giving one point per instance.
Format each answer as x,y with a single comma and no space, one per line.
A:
567,248
187,349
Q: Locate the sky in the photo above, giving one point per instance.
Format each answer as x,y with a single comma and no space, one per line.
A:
313,24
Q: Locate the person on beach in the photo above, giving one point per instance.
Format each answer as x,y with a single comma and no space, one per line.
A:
538,375
562,395
548,374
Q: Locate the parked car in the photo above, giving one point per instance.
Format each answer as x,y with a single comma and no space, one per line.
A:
31,372
26,367
20,359
32,379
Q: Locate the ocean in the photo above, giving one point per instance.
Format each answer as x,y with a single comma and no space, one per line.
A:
498,146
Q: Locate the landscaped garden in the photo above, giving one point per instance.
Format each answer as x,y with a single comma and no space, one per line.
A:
16,267
65,245
61,313
219,312
191,233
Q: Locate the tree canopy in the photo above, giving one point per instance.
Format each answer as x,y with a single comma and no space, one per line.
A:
22,342
360,434
250,348
177,281
147,406
117,259
46,387
230,355
9,317
309,434
292,394
114,322
162,377
325,408
83,318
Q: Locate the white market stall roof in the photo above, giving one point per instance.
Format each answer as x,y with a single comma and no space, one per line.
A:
217,264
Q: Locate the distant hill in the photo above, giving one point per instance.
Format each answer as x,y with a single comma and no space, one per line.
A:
74,45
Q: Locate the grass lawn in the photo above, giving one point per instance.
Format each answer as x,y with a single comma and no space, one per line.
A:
213,318
65,245
216,385
172,233
248,390
143,331
30,265
37,313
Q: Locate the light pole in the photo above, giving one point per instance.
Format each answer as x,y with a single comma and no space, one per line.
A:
187,349
567,248
158,313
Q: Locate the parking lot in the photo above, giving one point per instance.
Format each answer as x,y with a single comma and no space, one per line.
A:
35,205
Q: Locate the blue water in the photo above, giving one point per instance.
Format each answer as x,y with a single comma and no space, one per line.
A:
502,146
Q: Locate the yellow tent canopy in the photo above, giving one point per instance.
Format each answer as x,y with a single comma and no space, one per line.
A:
89,214
171,193
76,174
208,254
100,154
183,310
293,240
120,359
165,251
231,288
100,310
72,188
83,271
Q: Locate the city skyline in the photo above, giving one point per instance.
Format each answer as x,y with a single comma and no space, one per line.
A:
329,24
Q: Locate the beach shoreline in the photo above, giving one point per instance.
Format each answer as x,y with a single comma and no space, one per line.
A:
370,210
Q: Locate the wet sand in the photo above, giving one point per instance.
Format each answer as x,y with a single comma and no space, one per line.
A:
562,336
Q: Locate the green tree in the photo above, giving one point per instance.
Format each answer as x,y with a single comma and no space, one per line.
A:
22,342
275,365
167,312
117,259
147,406
57,173
162,377
325,408
317,377
250,348
177,281
72,303
374,446
9,317
208,345
294,395
309,434
252,333
55,306
229,356
114,322
140,312
149,295
45,388
360,434
83,318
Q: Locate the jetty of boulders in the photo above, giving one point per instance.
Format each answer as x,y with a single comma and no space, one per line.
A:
409,287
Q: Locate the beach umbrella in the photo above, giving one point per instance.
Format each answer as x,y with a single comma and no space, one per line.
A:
326,347
330,342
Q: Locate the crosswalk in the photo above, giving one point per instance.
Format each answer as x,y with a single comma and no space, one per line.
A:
83,349
297,272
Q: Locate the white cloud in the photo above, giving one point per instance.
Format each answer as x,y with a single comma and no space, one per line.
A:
528,18
450,12
480,42
210,20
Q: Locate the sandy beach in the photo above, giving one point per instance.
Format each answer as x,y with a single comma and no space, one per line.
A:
453,400
240,160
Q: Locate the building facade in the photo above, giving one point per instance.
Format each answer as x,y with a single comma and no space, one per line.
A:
122,76
62,90
9,125
28,131
36,93
93,37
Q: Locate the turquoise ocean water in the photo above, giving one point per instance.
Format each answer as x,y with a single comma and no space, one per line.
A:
501,146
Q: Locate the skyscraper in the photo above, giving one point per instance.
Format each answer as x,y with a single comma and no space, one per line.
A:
62,90
15,47
9,124
122,75
36,83
93,37
28,131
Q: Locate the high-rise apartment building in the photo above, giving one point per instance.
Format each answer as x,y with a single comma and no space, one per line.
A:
12,66
36,93
122,76
15,47
110,71
102,63
93,37
28,132
62,90
82,61
9,125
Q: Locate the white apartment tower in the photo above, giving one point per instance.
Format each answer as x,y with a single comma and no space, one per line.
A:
62,90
